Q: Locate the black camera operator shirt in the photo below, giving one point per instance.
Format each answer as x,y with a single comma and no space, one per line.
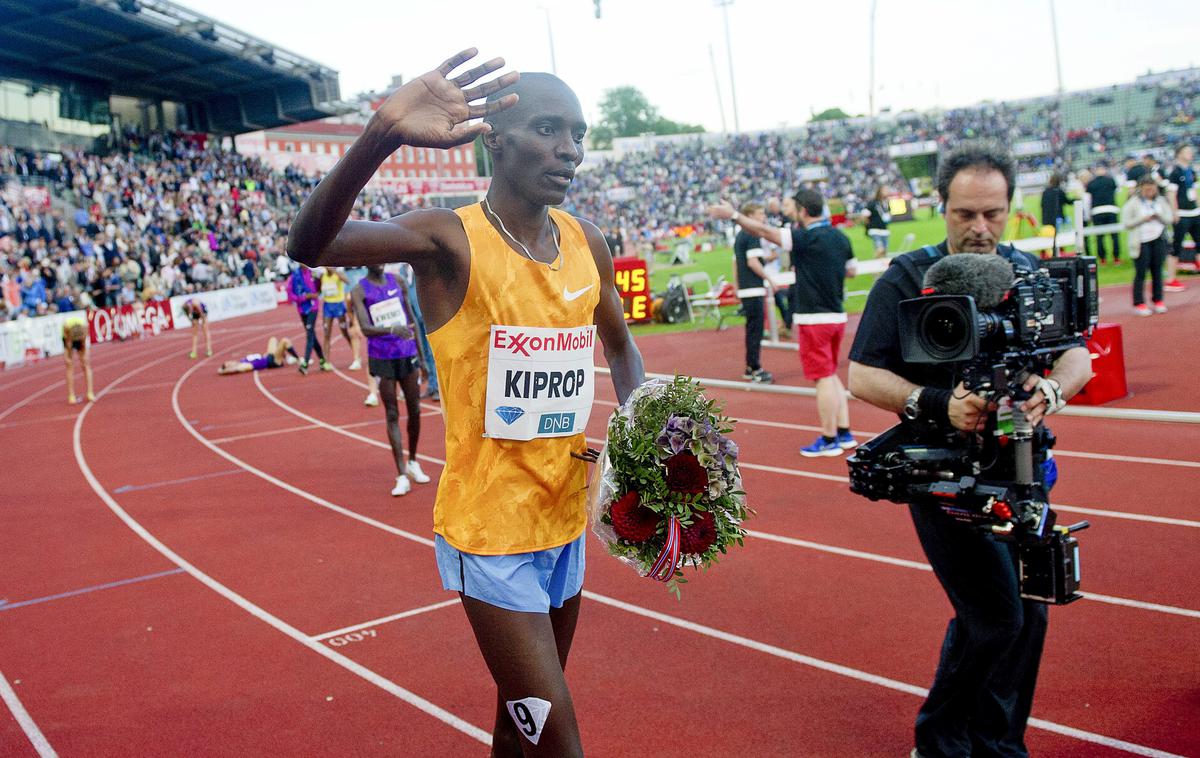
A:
877,341
819,256
746,246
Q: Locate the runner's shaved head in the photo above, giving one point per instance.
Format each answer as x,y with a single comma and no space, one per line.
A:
533,89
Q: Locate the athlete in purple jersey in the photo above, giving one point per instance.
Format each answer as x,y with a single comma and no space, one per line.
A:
386,318
278,350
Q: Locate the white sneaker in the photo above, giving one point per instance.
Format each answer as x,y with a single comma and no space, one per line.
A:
402,486
372,400
355,365
413,469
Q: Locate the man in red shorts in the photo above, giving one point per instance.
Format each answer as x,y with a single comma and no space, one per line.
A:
822,259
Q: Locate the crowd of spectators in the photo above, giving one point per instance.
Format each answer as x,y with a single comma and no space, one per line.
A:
164,214
170,218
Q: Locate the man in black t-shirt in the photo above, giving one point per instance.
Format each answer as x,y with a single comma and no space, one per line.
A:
983,689
748,255
1103,191
1181,190
821,258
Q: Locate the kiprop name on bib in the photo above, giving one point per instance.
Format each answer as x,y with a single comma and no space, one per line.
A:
540,382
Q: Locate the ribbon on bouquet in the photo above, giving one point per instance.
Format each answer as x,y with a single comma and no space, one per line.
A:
664,566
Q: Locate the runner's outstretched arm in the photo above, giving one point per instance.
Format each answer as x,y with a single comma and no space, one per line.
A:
429,111
624,359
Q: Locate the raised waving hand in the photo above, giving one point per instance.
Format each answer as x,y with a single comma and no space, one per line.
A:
433,109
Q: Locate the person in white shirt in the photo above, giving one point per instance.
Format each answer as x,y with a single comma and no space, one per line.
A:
1146,215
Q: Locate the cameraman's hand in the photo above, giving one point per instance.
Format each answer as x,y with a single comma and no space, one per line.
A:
1035,406
968,411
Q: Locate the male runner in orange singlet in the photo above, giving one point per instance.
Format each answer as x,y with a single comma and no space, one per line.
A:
517,291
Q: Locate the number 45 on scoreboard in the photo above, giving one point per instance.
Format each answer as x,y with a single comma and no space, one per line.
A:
634,285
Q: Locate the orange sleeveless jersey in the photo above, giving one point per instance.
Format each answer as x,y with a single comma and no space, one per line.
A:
497,496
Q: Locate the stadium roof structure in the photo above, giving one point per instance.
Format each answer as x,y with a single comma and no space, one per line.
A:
230,81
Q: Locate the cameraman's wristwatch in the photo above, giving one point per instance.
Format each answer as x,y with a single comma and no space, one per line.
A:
912,411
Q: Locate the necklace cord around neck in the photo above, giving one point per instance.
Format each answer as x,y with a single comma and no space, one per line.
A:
518,243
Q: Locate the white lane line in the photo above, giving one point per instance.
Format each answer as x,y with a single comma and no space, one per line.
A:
862,676
388,619
279,482
1121,414
847,551
1057,452
318,422
1127,516
29,399
80,384
1057,506
435,408
354,667
919,566
816,662
40,743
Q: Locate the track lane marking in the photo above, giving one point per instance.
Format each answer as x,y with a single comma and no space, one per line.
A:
1109,599
168,482
1112,414
1057,452
318,422
28,725
920,566
7,606
836,668
387,619
862,676
261,614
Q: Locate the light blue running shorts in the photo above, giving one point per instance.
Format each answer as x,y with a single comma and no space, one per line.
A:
528,582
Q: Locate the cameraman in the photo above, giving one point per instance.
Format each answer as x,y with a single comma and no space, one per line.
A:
983,689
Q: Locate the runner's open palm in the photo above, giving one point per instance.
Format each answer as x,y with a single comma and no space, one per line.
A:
433,109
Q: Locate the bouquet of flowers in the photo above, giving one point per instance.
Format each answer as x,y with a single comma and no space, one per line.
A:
668,491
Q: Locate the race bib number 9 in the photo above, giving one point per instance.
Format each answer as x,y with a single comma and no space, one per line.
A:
540,383
388,312
329,290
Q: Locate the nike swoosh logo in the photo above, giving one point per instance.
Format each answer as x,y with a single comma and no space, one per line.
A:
568,295
392,292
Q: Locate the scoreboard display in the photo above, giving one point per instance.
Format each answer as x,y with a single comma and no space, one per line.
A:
633,283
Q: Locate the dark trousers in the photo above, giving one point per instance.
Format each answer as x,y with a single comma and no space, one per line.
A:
1104,219
310,340
1151,258
983,689
753,308
783,301
1187,225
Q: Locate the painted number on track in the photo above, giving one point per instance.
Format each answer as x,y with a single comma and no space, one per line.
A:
346,639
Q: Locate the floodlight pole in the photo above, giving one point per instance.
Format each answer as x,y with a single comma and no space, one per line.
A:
871,79
1057,57
712,59
550,35
724,6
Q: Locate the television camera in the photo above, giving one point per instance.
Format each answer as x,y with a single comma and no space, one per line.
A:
993,326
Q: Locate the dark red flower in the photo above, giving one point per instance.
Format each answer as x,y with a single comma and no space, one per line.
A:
686,475
631,521
700,536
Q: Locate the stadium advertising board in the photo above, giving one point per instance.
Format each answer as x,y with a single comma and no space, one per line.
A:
927,147
633,282
123,322
1031,147
227,303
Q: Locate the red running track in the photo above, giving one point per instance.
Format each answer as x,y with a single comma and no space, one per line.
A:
211,565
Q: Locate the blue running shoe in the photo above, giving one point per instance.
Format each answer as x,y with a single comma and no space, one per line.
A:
821,447
846,440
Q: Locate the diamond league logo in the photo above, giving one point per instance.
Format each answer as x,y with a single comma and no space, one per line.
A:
509,413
